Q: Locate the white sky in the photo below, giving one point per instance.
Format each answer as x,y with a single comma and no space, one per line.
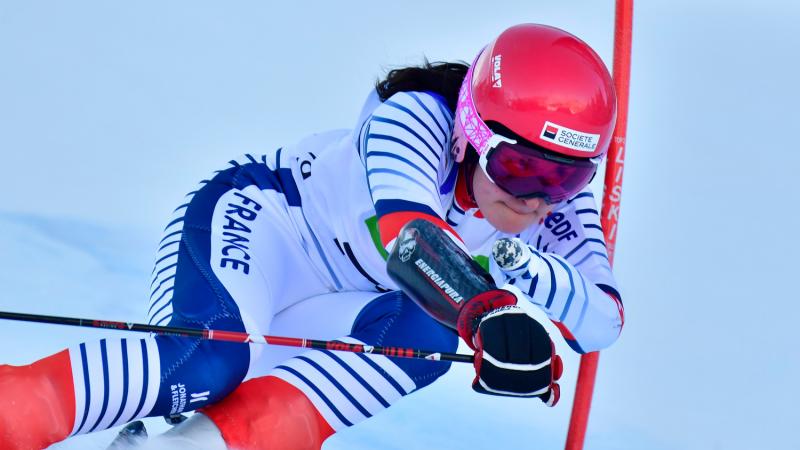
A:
110,112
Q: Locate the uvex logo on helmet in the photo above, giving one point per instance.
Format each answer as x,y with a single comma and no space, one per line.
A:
496,75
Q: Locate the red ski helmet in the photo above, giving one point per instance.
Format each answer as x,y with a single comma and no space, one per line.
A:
547,87
535,76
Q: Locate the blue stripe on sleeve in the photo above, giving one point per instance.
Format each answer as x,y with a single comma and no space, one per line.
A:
384,207
581,195
399,174
400,158
552,284
385,137
585,241
436,154
338,385
411,113
375,188
571,290
361,142
587,211
585,258
591,225
430,113
583,307
450,182
534,283
319,392
446,113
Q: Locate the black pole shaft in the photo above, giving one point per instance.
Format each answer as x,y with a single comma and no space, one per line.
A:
241,337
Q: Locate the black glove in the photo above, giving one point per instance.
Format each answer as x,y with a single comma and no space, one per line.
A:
514,355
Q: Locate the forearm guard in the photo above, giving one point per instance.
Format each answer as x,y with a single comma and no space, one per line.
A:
435,272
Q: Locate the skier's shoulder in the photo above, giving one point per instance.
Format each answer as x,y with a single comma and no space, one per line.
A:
425,107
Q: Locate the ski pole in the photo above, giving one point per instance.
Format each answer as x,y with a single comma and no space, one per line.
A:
242,337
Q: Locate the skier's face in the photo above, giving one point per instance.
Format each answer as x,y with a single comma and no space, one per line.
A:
505,212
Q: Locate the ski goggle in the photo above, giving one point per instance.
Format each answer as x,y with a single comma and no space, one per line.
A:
521,170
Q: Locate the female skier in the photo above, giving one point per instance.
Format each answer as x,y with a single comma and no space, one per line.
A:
295,242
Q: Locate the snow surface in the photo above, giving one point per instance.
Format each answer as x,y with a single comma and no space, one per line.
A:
110,112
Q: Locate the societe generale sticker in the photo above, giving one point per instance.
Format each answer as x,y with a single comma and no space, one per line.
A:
569,138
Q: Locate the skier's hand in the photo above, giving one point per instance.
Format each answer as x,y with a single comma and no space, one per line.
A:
514,355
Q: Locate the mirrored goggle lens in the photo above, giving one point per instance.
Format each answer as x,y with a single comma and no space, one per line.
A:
526,172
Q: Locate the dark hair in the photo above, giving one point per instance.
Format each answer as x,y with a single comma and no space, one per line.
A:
443,78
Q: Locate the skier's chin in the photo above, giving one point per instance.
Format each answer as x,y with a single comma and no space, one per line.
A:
507,220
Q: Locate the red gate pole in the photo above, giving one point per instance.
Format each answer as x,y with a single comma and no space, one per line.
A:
609,217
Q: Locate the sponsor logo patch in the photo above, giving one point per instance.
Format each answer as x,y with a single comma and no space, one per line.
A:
497,76
569,138
408,244
438,281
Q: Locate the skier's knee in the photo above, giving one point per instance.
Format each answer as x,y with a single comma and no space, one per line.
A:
202,374
393,319
223,366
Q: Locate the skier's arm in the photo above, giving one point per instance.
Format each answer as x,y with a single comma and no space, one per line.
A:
514,355
403,147
567,274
